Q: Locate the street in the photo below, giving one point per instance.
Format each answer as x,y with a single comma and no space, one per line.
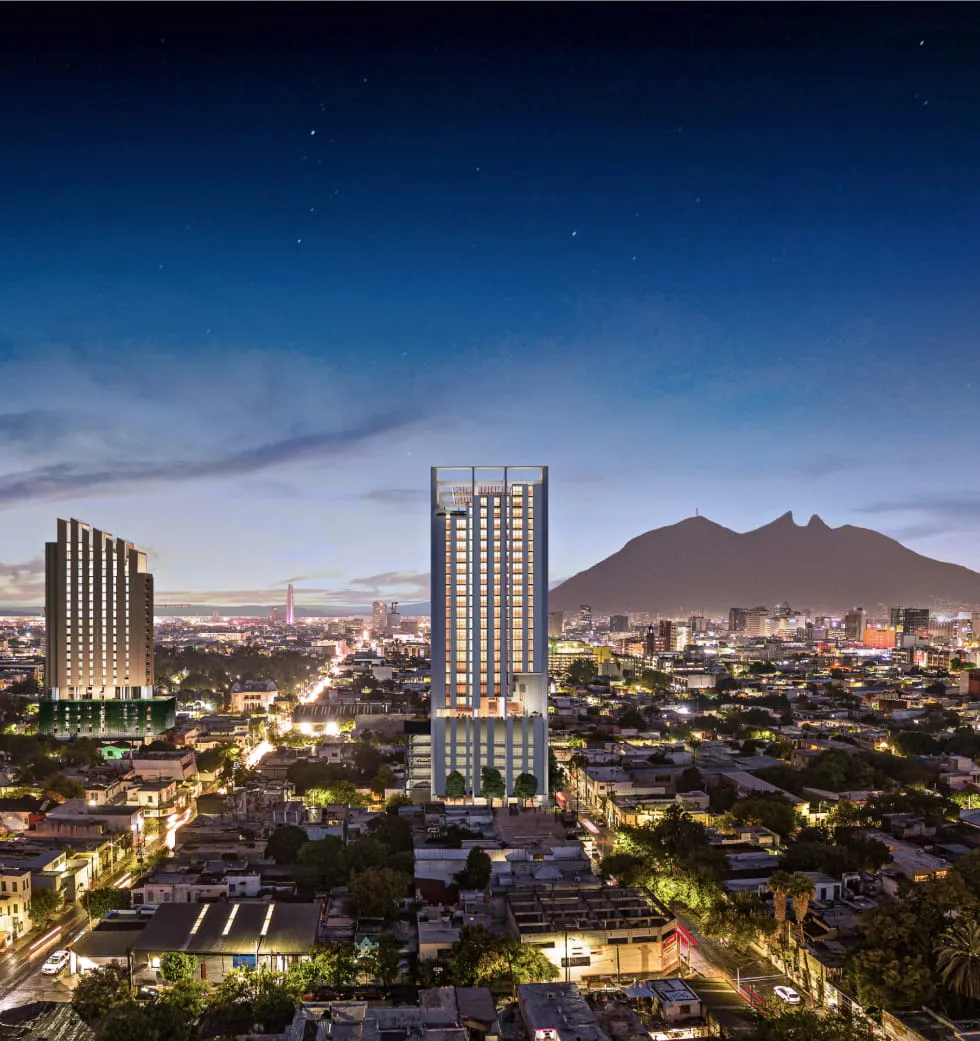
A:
20,969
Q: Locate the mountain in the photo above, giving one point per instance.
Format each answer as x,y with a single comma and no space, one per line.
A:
698,564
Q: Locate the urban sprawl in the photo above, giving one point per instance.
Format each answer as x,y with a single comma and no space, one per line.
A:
494,821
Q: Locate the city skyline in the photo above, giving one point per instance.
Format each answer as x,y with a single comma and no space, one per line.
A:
255,269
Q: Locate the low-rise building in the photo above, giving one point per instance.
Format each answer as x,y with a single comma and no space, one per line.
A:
557,1012
226,936
592,931
15,899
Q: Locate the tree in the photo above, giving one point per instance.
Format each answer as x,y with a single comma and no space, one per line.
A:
385,961
786,885
285,843
525,787
480,959
770,809
325,860
631,719
176,966
491,784
99,990
690,780
557,776
253,996
455,785
739,920
99,902
382,780
581,671
476,874
654,680
958,957
804,1024
375,892
156,1020
44,904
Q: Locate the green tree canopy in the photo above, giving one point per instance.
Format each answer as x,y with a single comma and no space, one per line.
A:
176,966
284,844
770,809
476,874
491,783
581,671
44,905
375,892
455,785
525,786
99,990
249,996
480,958
99,902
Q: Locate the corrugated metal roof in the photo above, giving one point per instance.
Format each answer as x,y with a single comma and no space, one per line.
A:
231,928
43,1021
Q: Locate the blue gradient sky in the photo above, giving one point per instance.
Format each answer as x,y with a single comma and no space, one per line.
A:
261,267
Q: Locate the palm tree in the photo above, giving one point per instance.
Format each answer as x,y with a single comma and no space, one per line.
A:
780,883
801,892
958,957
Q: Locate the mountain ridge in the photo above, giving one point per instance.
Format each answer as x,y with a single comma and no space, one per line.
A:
697,563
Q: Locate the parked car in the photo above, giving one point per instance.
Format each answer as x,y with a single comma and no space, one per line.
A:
787,994
57,961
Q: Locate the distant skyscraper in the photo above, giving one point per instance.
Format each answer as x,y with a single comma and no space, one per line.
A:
489,624
619,623
99,615
736,619
908,622
854,624
290,614
556,624
379,618
585,616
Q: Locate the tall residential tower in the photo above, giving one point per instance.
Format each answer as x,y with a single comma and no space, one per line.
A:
490,624
99,616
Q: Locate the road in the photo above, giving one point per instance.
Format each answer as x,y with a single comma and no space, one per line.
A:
754,975
20,970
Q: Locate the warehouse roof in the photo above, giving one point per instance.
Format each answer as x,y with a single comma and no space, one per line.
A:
231,928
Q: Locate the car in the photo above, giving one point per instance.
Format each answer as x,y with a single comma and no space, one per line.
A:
57,961
787,994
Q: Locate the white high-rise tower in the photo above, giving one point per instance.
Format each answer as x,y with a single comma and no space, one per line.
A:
490,624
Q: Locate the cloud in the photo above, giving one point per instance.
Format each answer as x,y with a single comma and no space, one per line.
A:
829,466
37,428
961,508
395,496
22,583
416,583
64,479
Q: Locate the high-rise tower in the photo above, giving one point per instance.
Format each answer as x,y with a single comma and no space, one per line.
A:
99,615
490,624
289,604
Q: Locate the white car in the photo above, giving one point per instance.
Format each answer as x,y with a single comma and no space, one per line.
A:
57,960
788,995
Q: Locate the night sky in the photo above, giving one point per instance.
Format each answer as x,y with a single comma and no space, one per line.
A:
261,267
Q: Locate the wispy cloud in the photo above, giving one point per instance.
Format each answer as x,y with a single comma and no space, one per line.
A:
395,496
410,583
22,583
956,507
64,479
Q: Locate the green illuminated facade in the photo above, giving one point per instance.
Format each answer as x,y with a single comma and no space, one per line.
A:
133,718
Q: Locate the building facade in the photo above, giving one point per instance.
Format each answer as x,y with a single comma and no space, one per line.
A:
489,705
99,617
